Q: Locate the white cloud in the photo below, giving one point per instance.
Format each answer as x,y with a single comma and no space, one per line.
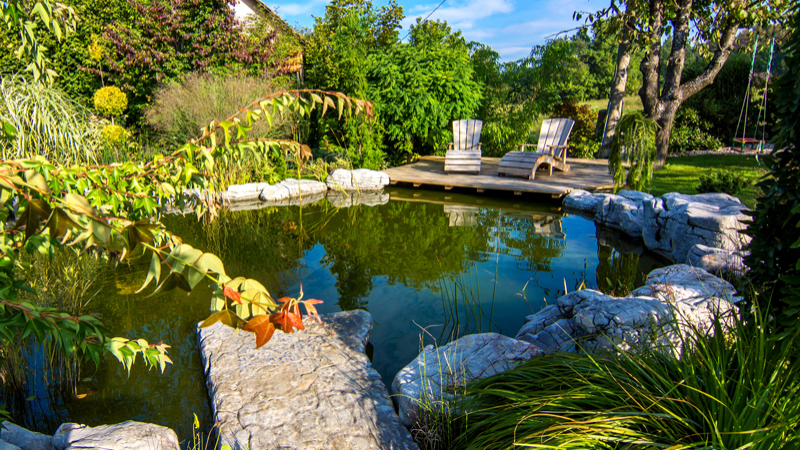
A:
463,15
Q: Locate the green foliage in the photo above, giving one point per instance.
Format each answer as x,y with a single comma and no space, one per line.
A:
335,60
110,101
598,52
507,109
582,141
728,390
113,210
421,87
775,248
46,122
721,181
25,19
114,135
634,143
690,132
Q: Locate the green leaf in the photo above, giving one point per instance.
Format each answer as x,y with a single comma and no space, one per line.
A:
226,316
140,232
34,213
36,180
174,280
60,222
154,273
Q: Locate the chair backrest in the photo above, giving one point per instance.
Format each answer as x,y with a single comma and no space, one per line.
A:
554,132
467,134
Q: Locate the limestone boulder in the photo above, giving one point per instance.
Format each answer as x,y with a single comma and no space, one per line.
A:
584,202
291,188
437,371
128,435
6,446
675,223
25,439
242,192
357,180
717,260
313,389
622,213
678,295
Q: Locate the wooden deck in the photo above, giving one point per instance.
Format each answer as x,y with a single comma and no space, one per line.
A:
587,174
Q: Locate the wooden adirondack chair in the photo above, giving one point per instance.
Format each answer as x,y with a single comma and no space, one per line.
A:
464,155
551,150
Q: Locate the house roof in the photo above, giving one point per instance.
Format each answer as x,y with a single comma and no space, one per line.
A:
270,12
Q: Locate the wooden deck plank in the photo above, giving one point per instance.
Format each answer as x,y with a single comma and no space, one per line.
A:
588,174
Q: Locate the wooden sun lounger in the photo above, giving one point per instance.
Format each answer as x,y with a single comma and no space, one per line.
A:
551,151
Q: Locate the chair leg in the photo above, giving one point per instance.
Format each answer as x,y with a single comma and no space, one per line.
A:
551,170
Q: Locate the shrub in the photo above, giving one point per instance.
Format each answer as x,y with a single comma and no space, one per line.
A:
728,390
110,101
690,132
774,250
721,181
582,142
47,122
181,110
114,135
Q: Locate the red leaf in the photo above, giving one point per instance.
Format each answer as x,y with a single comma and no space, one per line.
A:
284,299
296,319
262,327
313,301
231,294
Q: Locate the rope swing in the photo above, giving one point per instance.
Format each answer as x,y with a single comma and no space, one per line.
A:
762,106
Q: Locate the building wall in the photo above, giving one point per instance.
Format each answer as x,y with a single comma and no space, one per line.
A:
244,8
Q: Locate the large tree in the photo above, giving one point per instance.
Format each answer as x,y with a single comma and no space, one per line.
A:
711,25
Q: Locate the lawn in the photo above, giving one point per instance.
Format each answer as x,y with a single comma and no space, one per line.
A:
630,103
682,174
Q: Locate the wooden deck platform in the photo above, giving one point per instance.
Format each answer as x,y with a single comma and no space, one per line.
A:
587,174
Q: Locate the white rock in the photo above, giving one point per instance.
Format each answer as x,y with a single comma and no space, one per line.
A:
678,294
25,439
6,446
313,389
128,435
357,180
456,364
621,213
291,188
675,223
717,260
242,192
584,201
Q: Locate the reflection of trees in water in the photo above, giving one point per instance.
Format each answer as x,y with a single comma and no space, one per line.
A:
623,263
534,239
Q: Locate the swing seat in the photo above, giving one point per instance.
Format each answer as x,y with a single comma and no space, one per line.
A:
749,142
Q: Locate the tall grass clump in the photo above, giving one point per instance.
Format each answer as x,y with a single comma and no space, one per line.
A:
181,109
734,389
48,123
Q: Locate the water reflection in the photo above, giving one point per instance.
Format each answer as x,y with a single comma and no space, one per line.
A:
429,266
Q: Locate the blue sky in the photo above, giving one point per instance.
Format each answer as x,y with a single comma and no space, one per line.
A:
511,27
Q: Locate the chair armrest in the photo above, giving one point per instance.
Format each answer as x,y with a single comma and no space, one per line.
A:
479,146
522,146
553,147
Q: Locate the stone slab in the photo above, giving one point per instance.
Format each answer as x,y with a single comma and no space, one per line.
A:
25,439
313,389
128,435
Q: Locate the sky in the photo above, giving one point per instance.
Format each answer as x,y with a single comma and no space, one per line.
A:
510,27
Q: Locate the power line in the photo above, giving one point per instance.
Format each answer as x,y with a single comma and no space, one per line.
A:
423,20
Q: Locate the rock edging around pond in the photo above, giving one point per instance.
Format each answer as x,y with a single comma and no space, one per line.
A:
128,435
705,230
676,295
340,182
314,389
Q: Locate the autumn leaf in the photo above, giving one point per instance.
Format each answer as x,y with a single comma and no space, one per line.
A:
262,327
311,310
226,316
232,294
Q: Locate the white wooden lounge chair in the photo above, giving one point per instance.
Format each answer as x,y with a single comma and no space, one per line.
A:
551,151
464,155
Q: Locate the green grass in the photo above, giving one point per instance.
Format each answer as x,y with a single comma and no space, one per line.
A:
682,174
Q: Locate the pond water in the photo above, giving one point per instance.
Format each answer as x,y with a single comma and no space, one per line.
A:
428,266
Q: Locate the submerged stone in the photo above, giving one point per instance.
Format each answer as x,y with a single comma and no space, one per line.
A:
313,389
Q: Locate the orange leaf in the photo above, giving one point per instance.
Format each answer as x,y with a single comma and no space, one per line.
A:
296,319
231,294
262,327
312,311
282,321
284,299
313,301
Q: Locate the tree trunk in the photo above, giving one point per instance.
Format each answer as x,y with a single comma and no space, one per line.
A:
664,121
617,93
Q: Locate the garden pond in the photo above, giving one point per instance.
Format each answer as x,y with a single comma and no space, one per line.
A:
428,265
